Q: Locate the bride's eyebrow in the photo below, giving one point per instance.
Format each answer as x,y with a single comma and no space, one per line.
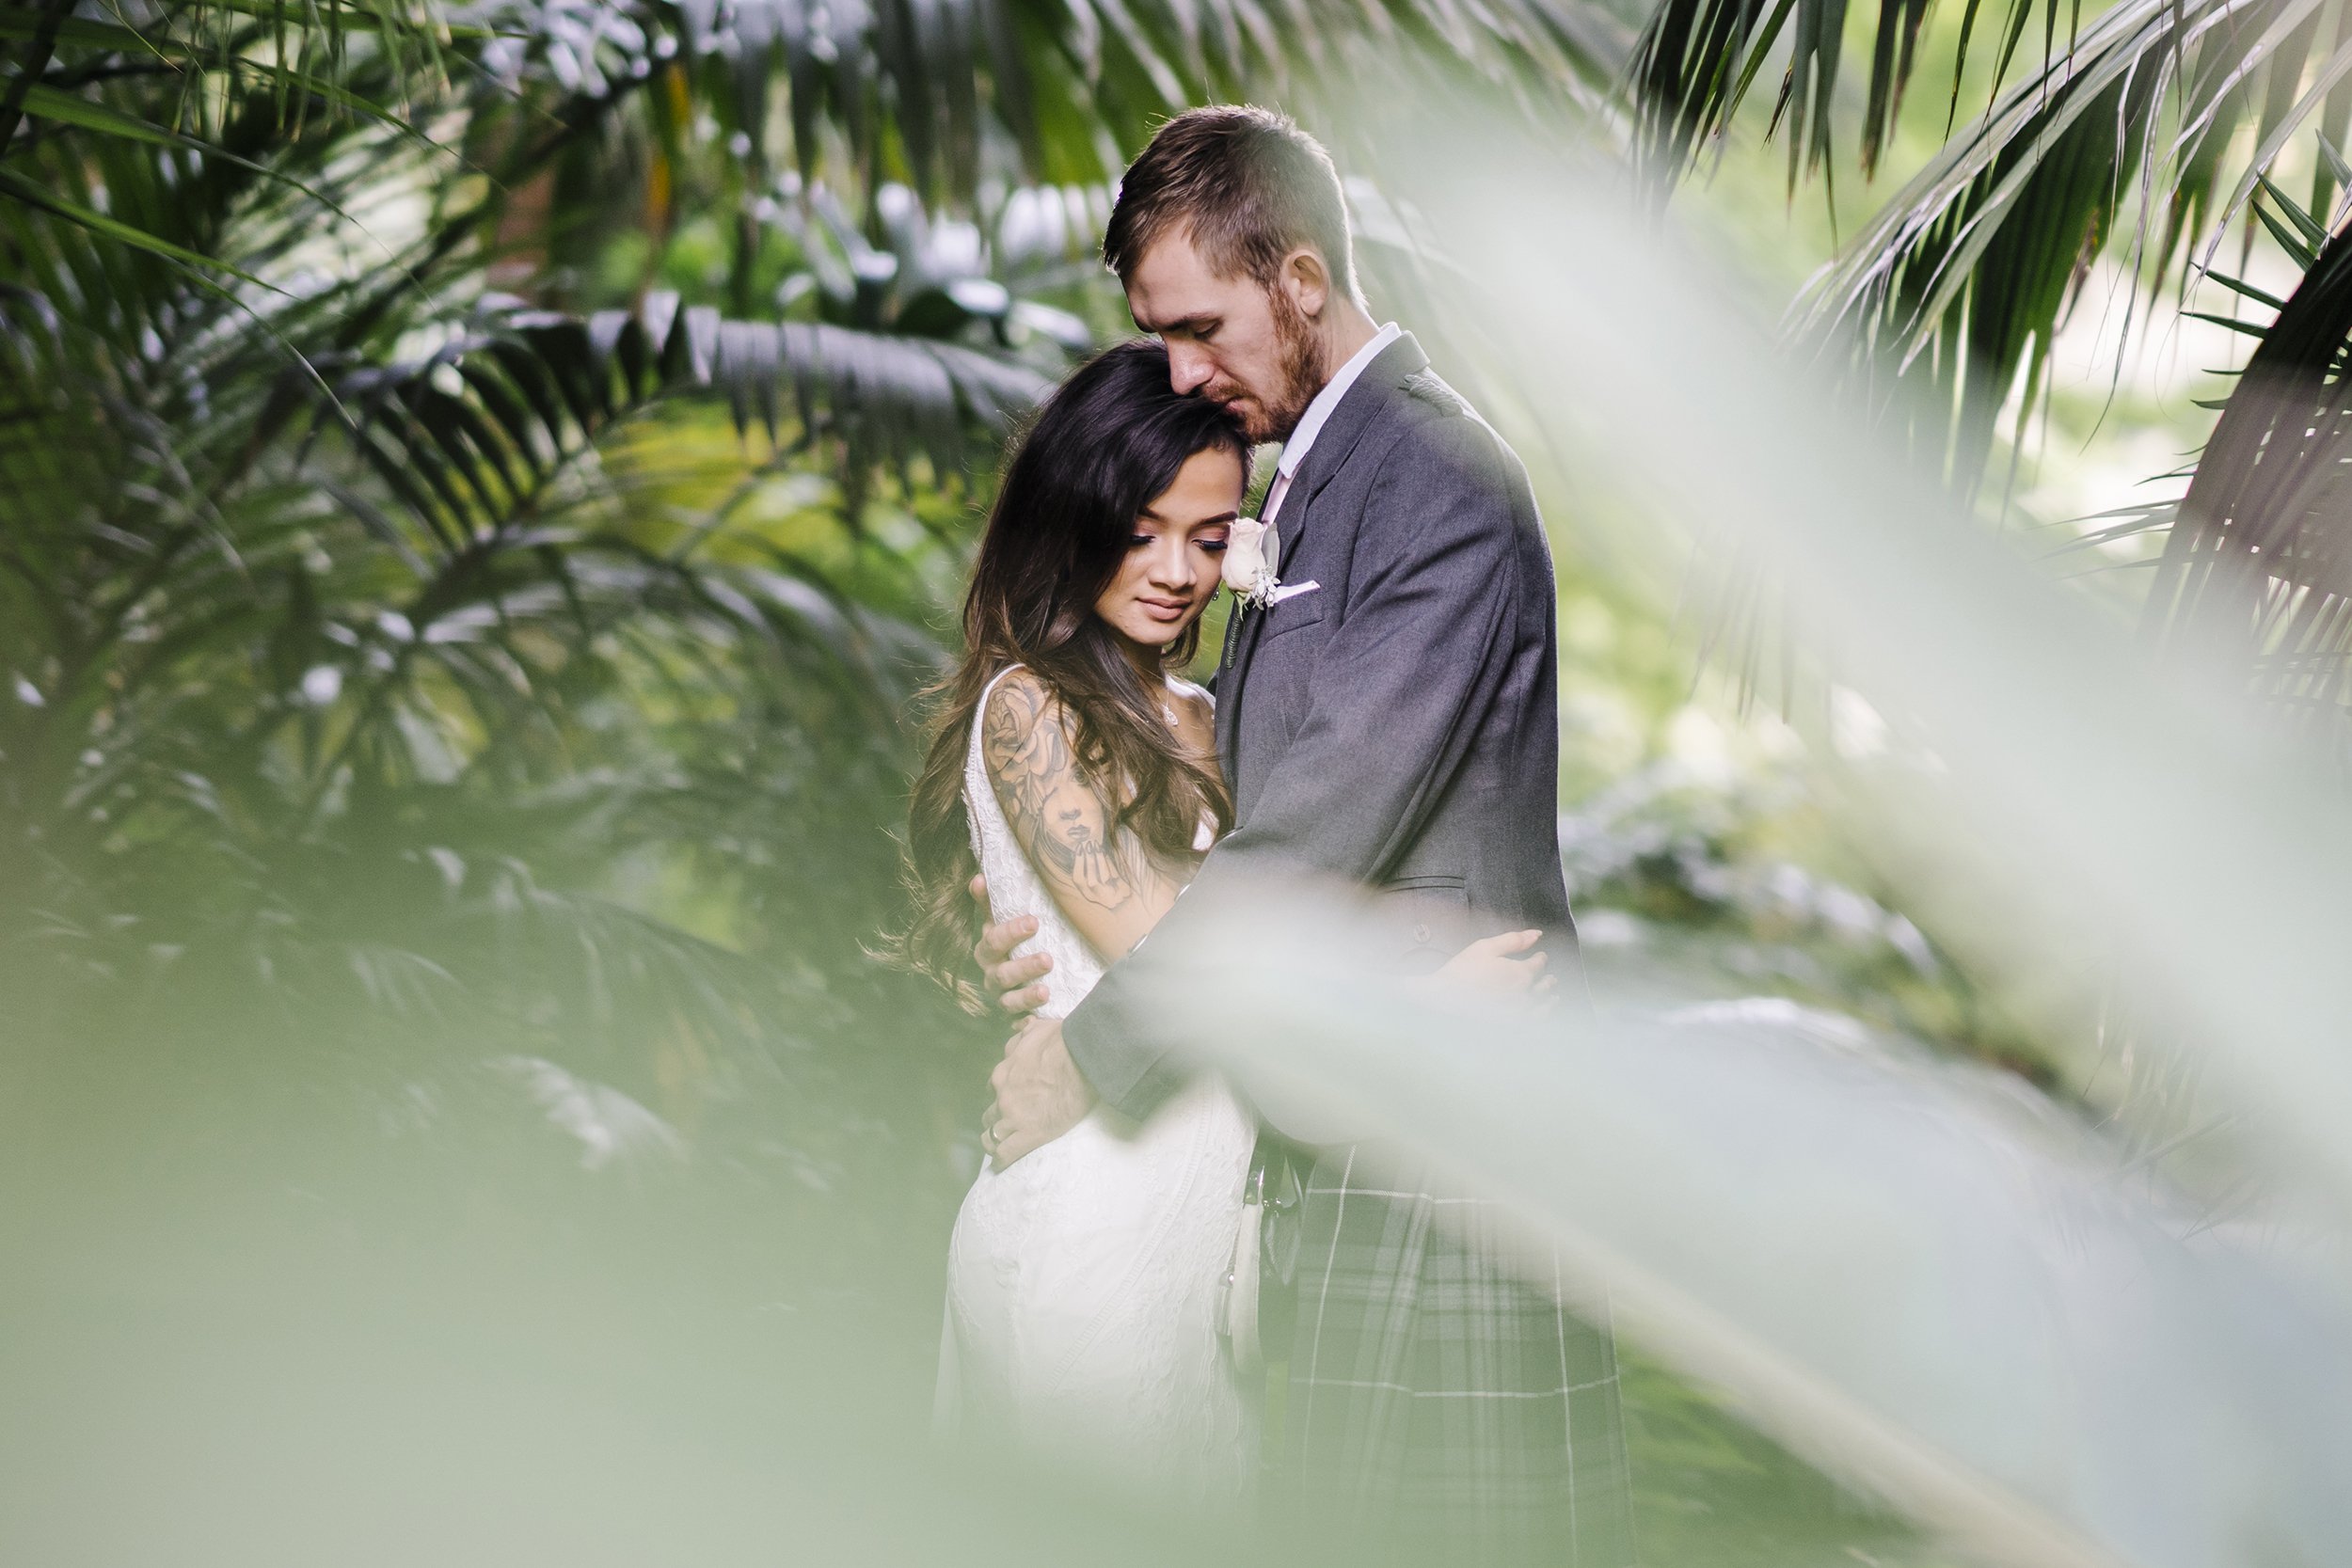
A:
1221,520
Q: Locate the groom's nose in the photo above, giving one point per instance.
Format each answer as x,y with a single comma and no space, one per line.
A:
1189,366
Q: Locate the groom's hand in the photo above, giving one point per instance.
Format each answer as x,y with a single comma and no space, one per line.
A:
1509,965
1040,1094
1009,977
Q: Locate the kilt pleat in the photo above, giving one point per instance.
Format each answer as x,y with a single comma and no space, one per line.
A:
1444,1405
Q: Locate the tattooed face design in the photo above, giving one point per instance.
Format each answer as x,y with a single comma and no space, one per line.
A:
1173,557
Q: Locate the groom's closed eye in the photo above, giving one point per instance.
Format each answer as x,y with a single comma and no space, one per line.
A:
1197,329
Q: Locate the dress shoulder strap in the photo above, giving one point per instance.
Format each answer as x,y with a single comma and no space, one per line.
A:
979,720
979,709
990,689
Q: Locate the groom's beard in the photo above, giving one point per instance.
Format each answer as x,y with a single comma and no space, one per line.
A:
1301,370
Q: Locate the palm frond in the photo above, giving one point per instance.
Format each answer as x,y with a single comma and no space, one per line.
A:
335,340
2153,124
2130,135
923,90
2254,587
1971,264
1697,61
470,438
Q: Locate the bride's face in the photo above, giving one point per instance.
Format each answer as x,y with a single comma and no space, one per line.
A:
1170,570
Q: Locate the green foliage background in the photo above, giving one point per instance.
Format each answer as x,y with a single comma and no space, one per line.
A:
481,492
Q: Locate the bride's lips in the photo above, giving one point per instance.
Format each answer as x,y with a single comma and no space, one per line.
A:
1166,610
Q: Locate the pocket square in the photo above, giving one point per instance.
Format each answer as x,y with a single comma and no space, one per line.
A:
1291,589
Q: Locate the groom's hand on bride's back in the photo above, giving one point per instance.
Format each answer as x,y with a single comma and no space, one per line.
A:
1509,965
1040,1092
1016,983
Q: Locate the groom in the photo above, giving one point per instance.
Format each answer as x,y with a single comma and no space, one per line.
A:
1391,721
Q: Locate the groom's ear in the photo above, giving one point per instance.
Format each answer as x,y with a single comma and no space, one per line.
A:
1306,279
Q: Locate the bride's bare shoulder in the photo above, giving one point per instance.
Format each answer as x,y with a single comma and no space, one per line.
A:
1017,702
1018,688
1015,715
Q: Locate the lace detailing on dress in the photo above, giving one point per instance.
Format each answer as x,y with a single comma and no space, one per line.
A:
1082,1283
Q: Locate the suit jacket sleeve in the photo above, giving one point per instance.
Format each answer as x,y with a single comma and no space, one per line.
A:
1397,692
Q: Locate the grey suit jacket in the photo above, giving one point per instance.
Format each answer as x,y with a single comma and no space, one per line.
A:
1397,728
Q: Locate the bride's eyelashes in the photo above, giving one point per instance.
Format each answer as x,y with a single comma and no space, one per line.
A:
1214,547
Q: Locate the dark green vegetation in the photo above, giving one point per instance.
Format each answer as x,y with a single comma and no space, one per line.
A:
479,490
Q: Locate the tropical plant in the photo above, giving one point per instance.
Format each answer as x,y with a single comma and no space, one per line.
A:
2127,134
384,633
2248,593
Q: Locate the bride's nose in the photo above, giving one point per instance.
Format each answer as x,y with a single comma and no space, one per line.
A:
1170,565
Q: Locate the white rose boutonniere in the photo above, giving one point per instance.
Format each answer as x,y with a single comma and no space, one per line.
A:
1252,551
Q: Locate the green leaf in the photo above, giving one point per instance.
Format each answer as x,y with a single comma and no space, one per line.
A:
2314,234
18,22
2239,286
114,228
2337,168
2294,241
2231,322
365,19
73,109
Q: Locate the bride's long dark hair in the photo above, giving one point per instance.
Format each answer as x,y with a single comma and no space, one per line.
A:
1107,443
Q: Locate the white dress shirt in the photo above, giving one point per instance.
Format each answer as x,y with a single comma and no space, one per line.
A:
1310,423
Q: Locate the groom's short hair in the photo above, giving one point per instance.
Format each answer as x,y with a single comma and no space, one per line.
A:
1249,185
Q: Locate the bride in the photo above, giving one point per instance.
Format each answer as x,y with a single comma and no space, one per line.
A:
1077,773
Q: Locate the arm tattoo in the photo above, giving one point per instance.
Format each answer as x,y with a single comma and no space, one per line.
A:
1062,824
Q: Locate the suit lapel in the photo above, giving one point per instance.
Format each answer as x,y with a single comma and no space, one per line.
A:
1228,692
1358,412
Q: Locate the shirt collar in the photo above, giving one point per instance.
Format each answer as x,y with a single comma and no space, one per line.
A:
1310,423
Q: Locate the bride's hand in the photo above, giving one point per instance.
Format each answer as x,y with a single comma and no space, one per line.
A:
1502,964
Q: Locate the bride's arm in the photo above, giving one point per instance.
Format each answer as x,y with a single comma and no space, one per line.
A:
1103,881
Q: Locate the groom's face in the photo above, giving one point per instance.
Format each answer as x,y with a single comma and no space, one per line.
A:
1233,340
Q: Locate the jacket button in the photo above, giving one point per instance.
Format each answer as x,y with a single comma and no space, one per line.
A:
1421,935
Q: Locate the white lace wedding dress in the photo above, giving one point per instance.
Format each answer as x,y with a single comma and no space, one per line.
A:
1083,1282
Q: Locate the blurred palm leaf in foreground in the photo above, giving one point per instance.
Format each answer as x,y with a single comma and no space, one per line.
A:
2054,1350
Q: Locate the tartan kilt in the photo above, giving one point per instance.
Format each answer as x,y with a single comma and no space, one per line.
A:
1443,1405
